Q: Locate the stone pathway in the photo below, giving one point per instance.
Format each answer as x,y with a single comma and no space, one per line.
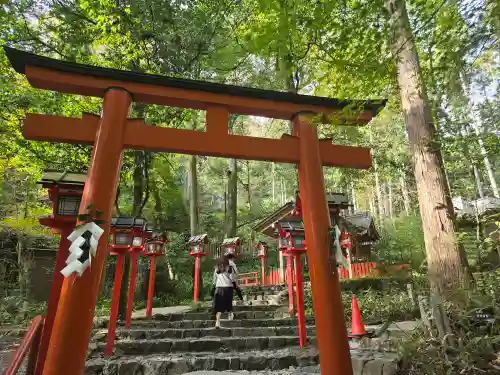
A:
258,341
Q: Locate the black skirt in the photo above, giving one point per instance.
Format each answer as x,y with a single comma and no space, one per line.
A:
222,300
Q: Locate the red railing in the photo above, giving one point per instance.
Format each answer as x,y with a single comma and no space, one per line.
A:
274,277
358,270
31,342
249,279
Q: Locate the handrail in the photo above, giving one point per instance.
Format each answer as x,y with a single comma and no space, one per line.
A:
248,279
31,341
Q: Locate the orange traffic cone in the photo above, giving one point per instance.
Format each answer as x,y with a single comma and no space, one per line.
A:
357,327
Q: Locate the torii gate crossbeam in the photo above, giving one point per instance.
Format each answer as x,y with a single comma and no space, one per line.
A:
113,132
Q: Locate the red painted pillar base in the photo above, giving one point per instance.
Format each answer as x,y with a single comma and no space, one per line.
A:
55,293
289,277
300,301
151,286
196,278
115,301
131,288
263,269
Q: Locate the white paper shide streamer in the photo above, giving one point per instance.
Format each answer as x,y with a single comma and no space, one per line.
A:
74,263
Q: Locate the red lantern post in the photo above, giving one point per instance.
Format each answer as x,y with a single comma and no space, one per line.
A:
122,232
296,246
289,269
197,248
135,250
155,247
65,192
262,255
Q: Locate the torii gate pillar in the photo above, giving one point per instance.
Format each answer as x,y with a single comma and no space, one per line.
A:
74,318
327,301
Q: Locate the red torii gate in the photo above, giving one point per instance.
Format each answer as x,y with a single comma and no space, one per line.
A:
113,132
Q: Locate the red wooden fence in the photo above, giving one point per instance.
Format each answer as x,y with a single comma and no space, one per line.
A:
358,270
274,278
249,279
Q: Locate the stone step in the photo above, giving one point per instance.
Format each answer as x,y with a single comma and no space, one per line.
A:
208,323
205,344
174,333
241,306
245,314
174,364
364,362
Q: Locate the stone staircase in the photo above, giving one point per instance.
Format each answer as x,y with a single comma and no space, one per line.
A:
259,339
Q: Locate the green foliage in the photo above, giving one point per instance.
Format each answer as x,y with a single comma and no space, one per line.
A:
476,352
402,241
375,307
377,284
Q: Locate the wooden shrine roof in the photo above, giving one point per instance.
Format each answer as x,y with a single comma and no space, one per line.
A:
68,77
63,178
198,239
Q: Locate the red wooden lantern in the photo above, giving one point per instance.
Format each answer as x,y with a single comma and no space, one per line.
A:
231,246
197,245
197,250
154,243
294,236
262,255
154,247
65,193
294,243
262,249
122,235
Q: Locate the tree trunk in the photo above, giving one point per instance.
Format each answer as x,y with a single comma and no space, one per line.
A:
233,198
249,189
371,203
446,263
353,198
475,169
193,196
378,193
487,163
389,198
158,208
274,182
404,191
477,178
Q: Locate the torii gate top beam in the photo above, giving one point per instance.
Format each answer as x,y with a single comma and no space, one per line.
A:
72,78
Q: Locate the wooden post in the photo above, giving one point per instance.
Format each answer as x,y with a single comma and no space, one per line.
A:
131,288
115,301
55,294
263,269
151,286
74,318
331,332
196,278
300,301
289,278
411,295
